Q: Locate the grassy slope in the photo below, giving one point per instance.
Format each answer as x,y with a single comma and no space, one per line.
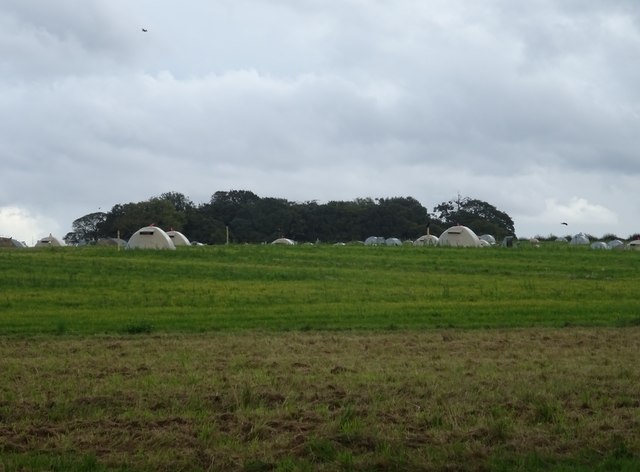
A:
367,389
98,290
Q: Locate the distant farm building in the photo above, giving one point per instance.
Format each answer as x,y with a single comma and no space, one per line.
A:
426,240
509,241
615,244
459,236
488,238
283,242
635,245
393,242
150,237
49,241
178,238
579,239
375,241
10,242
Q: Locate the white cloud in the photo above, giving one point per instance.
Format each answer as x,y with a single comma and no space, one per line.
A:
21,225
580,214
578,211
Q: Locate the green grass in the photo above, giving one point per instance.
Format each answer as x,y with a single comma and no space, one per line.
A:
262,358
100,290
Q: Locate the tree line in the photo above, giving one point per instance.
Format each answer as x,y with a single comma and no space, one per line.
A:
244,217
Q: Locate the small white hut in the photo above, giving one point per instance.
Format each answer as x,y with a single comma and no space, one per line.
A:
374,241
393,242
283,242
615,244
579,239
635,245
150,237
459,236
426,240
50,241
178,238
488,238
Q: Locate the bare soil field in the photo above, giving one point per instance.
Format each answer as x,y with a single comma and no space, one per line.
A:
517,399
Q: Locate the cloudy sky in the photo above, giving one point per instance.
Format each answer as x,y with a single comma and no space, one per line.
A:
532,106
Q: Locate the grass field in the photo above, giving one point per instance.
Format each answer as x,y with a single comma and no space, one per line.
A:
319,358
97,290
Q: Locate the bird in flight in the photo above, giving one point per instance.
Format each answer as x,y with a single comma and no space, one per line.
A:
563,223
144,30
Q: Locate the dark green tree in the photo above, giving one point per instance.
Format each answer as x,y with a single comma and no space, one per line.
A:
401,217
128,218
480,216
180,202
246,217
202,227
87,227
272,218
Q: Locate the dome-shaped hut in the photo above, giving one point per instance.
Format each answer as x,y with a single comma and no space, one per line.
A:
150,237
178,238
426,240
459,236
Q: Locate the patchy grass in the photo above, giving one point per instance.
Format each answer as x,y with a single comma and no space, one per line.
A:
520,399
261,358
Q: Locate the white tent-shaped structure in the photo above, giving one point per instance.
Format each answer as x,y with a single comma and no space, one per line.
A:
488,238
579,239
426,240
150,237
599,245
635,245
374,241
50,240
283,242
178,238
615,244
459,236
393,242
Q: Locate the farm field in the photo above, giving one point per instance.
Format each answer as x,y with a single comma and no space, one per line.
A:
98,290
319,358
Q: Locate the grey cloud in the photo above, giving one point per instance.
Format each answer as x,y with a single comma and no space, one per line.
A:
516,103
45,40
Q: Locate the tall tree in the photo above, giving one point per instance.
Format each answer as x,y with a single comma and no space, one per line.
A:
401,217
226,206
180,202
246,217
128,218
480,216
87,227
203,227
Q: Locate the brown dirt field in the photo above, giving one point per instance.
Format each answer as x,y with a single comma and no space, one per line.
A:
333,401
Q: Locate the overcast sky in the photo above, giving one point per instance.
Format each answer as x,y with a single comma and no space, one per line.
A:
531,106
